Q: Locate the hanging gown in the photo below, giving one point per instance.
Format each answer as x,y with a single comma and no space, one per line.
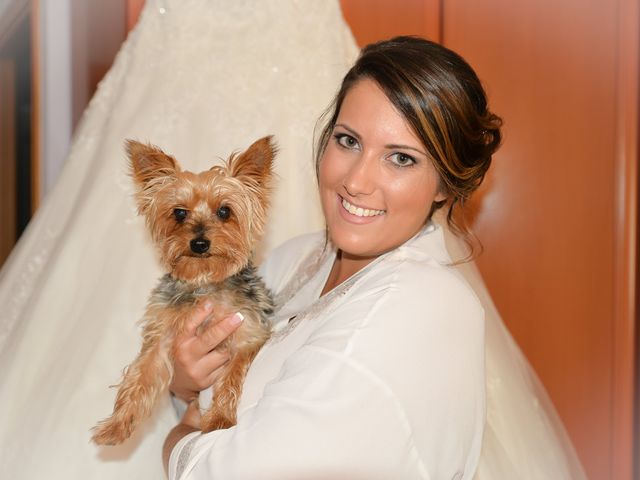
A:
199,79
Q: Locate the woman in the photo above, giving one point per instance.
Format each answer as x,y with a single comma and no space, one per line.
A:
376,366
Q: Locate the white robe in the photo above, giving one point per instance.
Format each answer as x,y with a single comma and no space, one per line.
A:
381,378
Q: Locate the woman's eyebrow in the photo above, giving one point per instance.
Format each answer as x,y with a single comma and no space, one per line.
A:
350,130
405,147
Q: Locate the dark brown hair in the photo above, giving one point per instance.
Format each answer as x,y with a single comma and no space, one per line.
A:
443,101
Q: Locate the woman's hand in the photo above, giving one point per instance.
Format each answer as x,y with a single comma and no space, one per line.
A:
196,363
192,416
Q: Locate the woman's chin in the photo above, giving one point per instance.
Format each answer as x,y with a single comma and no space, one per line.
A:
352,244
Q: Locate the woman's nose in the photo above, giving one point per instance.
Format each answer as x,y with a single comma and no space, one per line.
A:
360,178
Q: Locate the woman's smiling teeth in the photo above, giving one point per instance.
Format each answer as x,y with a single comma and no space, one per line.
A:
359,211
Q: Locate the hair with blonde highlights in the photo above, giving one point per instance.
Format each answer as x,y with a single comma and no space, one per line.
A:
442,100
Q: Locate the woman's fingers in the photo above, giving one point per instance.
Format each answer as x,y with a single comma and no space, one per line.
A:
185,341
195,360
203,372
187,354
186,380
199,316
212,361
213,335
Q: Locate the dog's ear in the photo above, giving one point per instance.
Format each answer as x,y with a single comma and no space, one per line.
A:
148,162
256,162
151,169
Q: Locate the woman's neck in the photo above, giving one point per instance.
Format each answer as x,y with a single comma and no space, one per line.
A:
344,266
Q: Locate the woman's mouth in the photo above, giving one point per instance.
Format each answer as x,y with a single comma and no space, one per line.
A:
360,211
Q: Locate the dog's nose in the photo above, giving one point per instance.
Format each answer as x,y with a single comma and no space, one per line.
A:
200,245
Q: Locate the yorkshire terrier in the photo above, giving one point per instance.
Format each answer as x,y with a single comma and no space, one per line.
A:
206,226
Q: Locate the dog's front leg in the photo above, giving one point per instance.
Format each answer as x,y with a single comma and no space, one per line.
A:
143,382
227,390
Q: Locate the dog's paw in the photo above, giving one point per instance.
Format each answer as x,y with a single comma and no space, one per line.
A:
110,432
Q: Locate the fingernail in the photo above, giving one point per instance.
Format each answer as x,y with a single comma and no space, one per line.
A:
208,306
237,319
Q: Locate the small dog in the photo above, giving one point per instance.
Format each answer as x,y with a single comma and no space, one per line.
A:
206,226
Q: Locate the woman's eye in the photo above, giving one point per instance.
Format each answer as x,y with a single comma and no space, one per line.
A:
402,159
180,214
223,213
346,141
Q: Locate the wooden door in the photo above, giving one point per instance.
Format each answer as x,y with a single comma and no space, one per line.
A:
19,109
7,158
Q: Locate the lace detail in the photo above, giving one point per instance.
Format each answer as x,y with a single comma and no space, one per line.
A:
307,269
185,454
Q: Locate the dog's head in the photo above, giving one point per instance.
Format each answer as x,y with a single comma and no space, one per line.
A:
205,224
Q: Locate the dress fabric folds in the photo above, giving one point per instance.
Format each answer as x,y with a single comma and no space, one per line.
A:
200,79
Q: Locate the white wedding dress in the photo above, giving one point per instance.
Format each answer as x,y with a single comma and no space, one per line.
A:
200,79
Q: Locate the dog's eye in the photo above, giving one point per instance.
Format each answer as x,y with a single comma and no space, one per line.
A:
223,213
180,214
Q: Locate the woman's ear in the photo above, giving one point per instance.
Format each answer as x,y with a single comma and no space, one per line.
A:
440,197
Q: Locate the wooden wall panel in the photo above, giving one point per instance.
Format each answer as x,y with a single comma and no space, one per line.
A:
99,28
36,106
7,158
625,284
133,8
373,20
547,215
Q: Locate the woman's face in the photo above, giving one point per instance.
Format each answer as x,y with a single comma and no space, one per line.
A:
377,183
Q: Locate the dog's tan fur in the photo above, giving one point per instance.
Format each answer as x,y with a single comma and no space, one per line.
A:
223,274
